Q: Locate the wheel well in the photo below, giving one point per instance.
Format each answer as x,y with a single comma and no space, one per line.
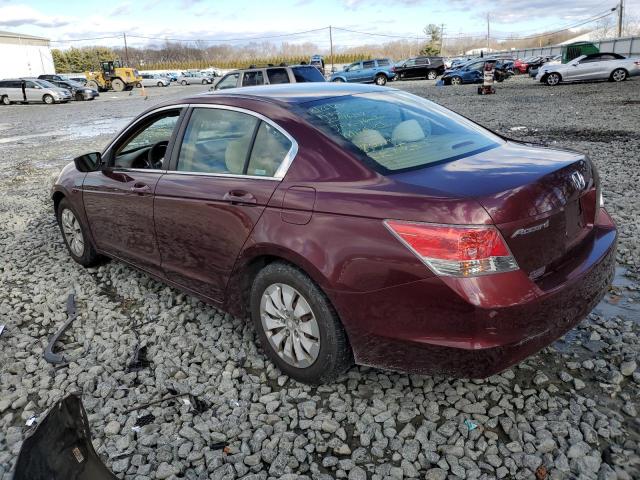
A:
620,68
57,198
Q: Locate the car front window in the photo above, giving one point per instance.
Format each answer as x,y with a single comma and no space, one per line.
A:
396,132
230,81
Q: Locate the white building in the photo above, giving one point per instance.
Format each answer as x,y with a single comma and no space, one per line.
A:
24,55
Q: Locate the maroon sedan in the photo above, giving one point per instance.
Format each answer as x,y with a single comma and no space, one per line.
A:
352,223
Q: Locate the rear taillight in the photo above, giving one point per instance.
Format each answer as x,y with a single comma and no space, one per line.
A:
455,250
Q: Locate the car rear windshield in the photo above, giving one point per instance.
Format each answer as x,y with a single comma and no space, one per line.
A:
395,132
307,74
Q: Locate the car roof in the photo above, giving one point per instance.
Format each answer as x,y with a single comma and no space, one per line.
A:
292,93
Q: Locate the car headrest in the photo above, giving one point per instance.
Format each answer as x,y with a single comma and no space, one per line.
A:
368,139
407,131
236,154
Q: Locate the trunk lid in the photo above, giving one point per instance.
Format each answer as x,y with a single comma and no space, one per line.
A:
542,200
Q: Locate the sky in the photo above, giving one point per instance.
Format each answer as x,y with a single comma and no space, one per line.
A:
62,21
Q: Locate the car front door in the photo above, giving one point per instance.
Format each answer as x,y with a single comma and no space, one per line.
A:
369,70
118,199
582,68
33,91
355,72
228,165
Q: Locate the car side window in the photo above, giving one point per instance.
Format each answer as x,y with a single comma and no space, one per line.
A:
217,141
368,64
277,75
269,151
134,151
355,66
253,78
230,81
30,85
383,63
422,61
410,63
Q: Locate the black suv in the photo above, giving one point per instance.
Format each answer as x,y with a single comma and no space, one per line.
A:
420,67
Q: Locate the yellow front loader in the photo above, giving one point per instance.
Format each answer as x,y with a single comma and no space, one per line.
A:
113,76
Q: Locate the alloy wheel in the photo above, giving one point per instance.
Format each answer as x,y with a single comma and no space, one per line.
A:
456,81
619,75
553,79
72,232
290,325
431,75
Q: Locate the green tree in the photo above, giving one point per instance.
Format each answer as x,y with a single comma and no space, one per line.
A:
59,61
432,47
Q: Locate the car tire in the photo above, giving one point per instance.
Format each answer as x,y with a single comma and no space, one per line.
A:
138,85
337,80
553,79
184,83
432,75
618,75
381,80
456,80
117,85
79,97
5,100
93,85
48,99
73,232
325,353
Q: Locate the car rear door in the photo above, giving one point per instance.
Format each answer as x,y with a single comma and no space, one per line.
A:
369,70
118,199
421,68
222,176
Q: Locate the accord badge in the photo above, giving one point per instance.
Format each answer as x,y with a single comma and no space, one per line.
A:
526,231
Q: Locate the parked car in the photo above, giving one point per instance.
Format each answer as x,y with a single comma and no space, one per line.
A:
153,80
80,80
419,67
35,91
473,72
533,70
378,71
78,91
597,66
269,75
351,223
459,61
193,78
172,76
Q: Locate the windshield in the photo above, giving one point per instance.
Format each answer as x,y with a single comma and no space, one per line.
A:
394,132
45,84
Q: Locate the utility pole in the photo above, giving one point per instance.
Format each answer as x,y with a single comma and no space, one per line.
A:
620,9
126,49
442,39
488,32
331,46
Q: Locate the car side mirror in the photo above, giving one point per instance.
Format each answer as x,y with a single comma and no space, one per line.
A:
575,64
89,162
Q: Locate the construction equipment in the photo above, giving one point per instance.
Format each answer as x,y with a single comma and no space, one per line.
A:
576,49
113,76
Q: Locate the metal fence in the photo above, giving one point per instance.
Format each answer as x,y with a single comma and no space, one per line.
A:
627,46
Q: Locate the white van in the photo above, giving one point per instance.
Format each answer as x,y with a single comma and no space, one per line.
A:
35,90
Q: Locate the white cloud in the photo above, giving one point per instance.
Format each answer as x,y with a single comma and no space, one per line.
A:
123,8
18,15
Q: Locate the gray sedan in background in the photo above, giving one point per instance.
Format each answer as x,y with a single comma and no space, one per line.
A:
597,66
153,80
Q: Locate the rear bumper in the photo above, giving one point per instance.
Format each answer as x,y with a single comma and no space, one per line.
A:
476,327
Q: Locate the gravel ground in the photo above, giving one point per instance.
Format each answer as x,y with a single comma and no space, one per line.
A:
568,412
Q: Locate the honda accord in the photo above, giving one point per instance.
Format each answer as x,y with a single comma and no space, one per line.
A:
352,224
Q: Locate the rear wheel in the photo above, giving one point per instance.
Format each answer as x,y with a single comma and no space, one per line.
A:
48,99
381,80
619,75
297,326
138,85
117,85
456,81
432,75
160,84
93,85
183,83
79,97
338,80
204,82
5,100
75,236
553,79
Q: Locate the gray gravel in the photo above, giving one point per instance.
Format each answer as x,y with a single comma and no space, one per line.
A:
571,410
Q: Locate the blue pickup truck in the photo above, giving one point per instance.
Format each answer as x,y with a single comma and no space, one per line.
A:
378,71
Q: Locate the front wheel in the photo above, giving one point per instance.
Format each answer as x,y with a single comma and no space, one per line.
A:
553,79
75,236
456,81
183,83
432,75
79,97
48,99
297,326
118,85
160,84
5,100
381,80
338,80
619,75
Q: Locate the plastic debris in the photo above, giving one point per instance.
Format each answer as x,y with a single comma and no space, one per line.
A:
1,329
470,425
31,421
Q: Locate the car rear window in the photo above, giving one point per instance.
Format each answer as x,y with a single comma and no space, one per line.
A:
383,63
394,132
277,75
307,74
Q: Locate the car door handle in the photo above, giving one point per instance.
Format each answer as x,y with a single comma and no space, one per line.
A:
239,196
140,188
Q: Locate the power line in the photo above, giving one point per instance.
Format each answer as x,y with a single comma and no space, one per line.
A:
378,34
244,39
84,39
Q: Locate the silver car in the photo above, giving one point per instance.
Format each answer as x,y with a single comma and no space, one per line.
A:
153,80
597,66
193,78
31,90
